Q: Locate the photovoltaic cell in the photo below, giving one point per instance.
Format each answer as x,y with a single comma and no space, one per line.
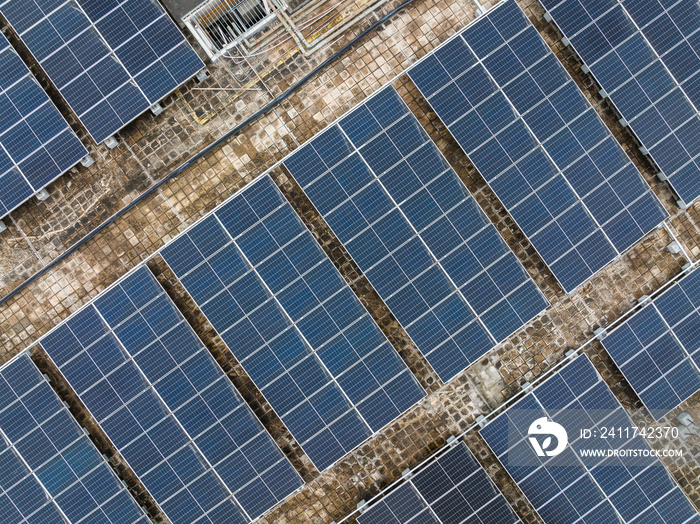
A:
111,60
658,349
571,487
453,488
417,234
646,55
293,323
36,143
168,407
539,144
49,469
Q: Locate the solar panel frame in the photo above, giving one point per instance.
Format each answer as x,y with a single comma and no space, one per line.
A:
337,342
656,349
450,488
553,214
412,201
170,409
109,61
54,451
37,145
631,70
601,490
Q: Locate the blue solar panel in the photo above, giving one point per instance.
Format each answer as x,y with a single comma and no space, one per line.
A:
416,233
658,349
646,56
168,407
539,144
627,483
49,470
453,488
110,60
293,323
36,143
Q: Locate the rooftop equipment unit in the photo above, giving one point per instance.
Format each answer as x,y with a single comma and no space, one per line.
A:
219,25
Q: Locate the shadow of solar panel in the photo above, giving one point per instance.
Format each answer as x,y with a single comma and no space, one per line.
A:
579,485
539,144
168,407
36,143
293,323
658,349
646,56
111,61
422,241
50,470
452,488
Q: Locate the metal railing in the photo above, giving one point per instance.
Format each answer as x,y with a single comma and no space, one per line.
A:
219,25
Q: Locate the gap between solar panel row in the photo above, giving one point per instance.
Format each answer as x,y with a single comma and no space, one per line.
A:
111,61
570,486
645,56
450,488
413,229
36,143
658,348
51,471
167,407
292,322
539,144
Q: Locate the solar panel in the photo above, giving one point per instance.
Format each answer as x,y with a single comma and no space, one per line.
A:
645,56
36,143
416,233
169,409
453,488
49,469
111,60
293,323
539,144
627,483
658,349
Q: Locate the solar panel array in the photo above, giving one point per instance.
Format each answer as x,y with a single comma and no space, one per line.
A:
539,144
293,323
569,487
111,60
422,241
36,143
645,55
658,349
168,407
453,488
51,472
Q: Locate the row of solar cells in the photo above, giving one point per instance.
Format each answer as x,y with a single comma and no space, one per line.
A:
645,54
557,169
658,348
421,239
291,321
296,327
110,60
167,406
50,470
562,488
288,317
407,221
626,483
539,144
450,488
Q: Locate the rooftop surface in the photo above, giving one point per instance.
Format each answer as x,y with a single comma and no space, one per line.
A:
119,212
